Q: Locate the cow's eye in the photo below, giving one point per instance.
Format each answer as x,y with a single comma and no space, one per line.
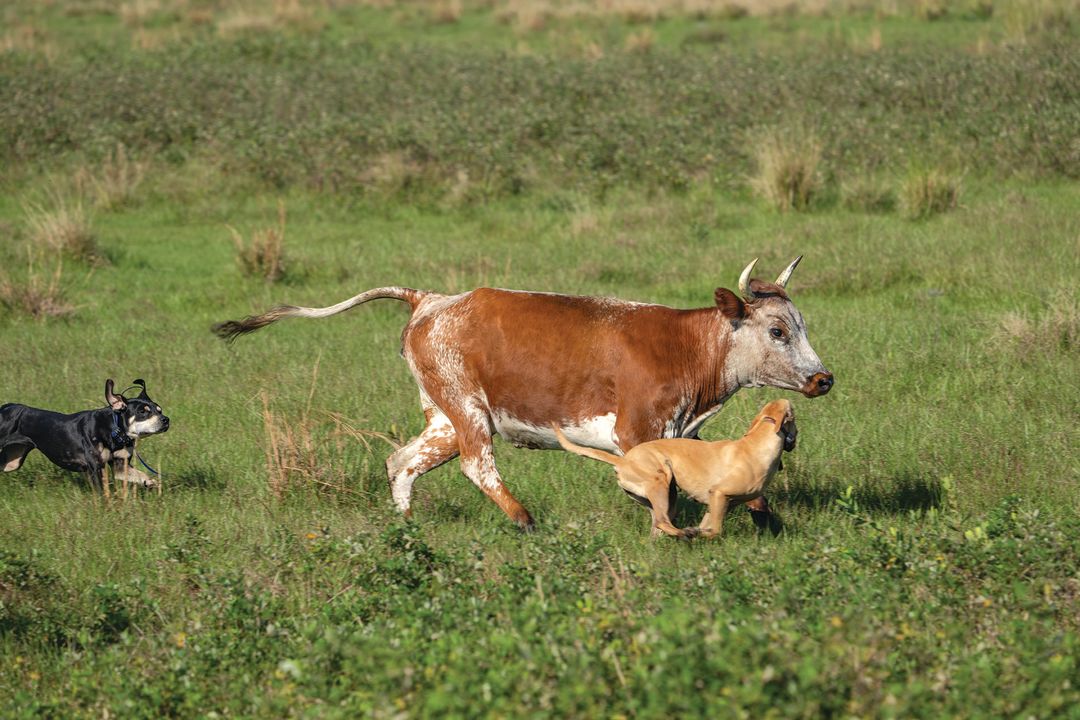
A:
776,333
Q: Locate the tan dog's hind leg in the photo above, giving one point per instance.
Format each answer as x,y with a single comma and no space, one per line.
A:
655,486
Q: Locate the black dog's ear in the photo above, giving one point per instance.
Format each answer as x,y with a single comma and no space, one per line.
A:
141,384
731,305
116,402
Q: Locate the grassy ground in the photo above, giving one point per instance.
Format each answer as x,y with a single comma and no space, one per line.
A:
928,561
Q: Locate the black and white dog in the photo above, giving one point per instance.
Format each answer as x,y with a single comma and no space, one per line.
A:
84,441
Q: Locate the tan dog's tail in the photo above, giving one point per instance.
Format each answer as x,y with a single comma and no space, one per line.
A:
588,452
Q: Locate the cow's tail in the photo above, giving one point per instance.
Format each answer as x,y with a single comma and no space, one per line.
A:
588,452
232,329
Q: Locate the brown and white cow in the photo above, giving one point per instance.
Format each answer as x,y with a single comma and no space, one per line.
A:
611,373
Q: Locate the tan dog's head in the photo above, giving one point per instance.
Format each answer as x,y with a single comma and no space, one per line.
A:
780,413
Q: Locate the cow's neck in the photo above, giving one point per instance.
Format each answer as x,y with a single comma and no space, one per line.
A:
713,379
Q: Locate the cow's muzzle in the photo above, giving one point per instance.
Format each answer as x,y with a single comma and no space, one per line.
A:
817,384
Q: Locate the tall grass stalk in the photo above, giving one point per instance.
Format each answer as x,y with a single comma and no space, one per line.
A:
41,292
263,255
61,224
788,171
928,191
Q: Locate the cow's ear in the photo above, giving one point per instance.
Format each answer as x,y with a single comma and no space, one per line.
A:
731,305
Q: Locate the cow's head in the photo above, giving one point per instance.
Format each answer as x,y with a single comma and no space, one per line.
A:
769,343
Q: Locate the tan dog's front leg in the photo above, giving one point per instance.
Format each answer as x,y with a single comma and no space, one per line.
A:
713,522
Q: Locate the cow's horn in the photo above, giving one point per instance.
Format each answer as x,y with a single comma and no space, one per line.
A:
783,277
744,281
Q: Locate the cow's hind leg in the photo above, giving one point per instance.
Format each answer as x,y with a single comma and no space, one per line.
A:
434,446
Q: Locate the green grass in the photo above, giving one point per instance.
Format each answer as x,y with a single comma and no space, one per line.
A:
927,565
939,424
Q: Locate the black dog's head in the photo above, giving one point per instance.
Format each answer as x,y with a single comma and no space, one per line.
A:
139,416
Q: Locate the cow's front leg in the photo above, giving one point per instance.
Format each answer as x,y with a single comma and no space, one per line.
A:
635,427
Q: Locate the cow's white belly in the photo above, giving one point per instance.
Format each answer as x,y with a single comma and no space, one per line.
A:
596,432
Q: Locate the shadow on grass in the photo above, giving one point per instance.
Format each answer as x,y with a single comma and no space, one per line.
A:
195,477
900,494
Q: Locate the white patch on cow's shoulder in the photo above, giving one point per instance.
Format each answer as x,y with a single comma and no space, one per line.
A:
596,432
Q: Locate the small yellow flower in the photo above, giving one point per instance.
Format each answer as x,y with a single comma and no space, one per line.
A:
180,639
34,675
987,602
311,536
836,622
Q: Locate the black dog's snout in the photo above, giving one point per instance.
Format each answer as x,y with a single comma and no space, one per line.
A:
165,422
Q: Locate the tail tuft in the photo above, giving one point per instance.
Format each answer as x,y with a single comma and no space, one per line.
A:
232,329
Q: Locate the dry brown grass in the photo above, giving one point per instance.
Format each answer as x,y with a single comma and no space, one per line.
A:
928,191
302,454
254,18
27,38
1057,325
641,41
137,13
864,194
788,175
446,12
1024,19
40,293
650,11
60,224
263,255
392,172
113,184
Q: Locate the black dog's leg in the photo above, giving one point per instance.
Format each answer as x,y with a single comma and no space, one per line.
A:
763,516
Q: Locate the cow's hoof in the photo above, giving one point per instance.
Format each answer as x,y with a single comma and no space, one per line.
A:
525,522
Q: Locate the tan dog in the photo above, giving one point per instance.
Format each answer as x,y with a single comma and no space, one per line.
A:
719,474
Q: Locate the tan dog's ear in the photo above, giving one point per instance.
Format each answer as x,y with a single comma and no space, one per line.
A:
758,419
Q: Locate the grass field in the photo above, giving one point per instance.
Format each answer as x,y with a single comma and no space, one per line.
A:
928,562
